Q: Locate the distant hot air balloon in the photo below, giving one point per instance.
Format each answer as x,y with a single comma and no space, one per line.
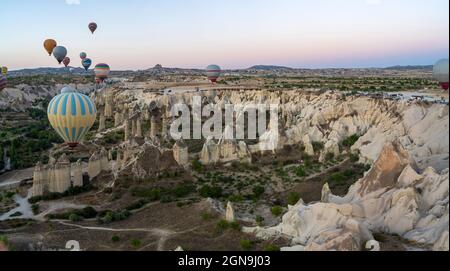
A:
87,62
72,115
5,71
60,53
83,55
49,45
440,72
102,71
213,73
2,82
92,27
66,61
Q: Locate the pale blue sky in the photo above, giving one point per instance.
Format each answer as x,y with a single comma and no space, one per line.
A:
137,34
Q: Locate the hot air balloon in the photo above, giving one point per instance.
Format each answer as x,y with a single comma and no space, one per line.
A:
440,73
83,55
102,71
213,73
2,82
5,71
92,27
60,53
49,45
66,61
72,115
87,62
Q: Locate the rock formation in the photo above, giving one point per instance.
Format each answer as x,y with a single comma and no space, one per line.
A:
181,153
392,198
229,215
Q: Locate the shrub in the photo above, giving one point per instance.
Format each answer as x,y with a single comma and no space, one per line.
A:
317,146
350,141
258,191
115,239
235,225
208,191
223,225
293,198
197,166
74,218
206,216
272,247
136,243
300,172
246,244
136,205
35,208
277,210
259,220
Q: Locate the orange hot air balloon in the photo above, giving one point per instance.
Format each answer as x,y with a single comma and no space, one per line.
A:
49,45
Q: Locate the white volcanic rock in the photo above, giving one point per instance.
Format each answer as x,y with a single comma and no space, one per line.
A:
392,198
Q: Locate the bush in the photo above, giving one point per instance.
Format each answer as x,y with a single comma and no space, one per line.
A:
136,205
271,247
277,210
223,225
115,239
293,198
259,220
74,218
317,146
246,244
350,141
197,166
235,226
258,191
136,243
300,172
208,191
206,216
35,208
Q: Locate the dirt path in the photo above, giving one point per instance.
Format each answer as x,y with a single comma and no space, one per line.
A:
162,234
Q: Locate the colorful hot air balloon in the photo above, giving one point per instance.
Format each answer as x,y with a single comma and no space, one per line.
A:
72,115
49,45
2,82
440,73
102,71
5,71
83,55
92,27
87,62
60,53
213,73
66,61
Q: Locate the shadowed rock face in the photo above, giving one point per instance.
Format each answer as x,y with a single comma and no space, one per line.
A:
152,161
387,169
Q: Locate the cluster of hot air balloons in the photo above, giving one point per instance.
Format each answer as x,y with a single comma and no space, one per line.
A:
440,72
60,53
72,115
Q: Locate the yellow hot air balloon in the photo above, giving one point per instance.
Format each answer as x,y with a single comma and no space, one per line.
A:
49,45
5,71
72,115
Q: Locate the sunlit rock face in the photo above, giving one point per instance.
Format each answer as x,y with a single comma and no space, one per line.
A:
392,198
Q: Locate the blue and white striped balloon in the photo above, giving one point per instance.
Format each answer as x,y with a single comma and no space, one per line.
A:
72,115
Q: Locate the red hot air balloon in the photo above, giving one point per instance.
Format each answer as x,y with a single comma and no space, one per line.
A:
66,61
92,27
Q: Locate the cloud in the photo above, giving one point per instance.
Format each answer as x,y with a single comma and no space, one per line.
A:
373,2
72,2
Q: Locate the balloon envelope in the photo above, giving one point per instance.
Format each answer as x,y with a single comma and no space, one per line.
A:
66,61
92,27
87,62
213,72
49,45
102,71
440,73
60,53
72,115
4,71
83,55
2,82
